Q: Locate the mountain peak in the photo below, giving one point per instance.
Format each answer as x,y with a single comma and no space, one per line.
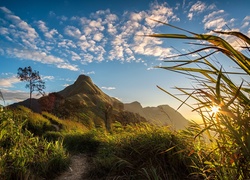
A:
82,78
83,85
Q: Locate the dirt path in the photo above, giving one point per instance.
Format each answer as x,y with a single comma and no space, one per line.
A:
77,169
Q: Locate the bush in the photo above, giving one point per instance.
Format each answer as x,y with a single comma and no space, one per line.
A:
83,143
23,156
143,152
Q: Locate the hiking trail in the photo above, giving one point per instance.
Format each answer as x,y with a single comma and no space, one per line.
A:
77,169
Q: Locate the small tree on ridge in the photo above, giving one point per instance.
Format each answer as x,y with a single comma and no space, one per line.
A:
35,83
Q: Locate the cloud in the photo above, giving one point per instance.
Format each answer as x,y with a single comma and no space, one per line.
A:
159,12
102,36
41,57
215,20
8,82
98,37
19,29
47,33
216,23
108,88
4,9
28,45
66,85
246,22
72,31
48,78
68,66
196,8
12,96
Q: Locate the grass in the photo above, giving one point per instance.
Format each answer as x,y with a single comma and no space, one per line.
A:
215,86
219,148
25,156
142,151
65,125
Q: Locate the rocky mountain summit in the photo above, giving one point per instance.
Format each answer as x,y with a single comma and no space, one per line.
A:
85,102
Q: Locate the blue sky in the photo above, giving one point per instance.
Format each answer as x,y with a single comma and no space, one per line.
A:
65,38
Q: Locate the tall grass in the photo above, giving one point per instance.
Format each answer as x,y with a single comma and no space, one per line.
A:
24,156
216,87
65,125
142,151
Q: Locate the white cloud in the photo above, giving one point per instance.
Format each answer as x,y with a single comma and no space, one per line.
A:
246,22
8,82
247,18
48,77
19,31
48,34
42,27
75,56
72,31
41,57
98,36
160,13
215,20
90,72
68,66
212,15
112,29
215,24
108,88
12,96
66,85
4,9
196,8
34,56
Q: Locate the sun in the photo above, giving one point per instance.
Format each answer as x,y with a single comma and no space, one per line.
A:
215,109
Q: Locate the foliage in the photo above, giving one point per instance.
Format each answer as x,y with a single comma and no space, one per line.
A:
142,151
81,142
216,87
35,123
33,78
23,156
65,125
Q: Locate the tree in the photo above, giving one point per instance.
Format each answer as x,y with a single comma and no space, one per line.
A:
35,83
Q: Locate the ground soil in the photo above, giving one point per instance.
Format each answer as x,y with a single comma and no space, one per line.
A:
77,169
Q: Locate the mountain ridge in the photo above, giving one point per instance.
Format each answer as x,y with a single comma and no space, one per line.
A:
86,102
161,115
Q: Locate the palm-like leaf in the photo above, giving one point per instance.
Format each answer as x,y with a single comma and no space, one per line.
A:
215,87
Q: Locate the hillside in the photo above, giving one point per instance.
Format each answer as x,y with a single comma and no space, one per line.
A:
160,115
85,102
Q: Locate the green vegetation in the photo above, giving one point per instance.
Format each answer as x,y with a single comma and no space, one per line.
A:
36,145
25,156
220,90
142,151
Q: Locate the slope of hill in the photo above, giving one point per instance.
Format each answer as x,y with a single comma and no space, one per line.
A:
160,115
85,102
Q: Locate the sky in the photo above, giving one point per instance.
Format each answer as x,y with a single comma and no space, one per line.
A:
65,38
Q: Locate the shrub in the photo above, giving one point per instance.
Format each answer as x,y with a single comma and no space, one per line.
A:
142,152
79,142
23,156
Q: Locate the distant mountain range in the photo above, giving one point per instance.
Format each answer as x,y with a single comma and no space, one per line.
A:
161,115
85,102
